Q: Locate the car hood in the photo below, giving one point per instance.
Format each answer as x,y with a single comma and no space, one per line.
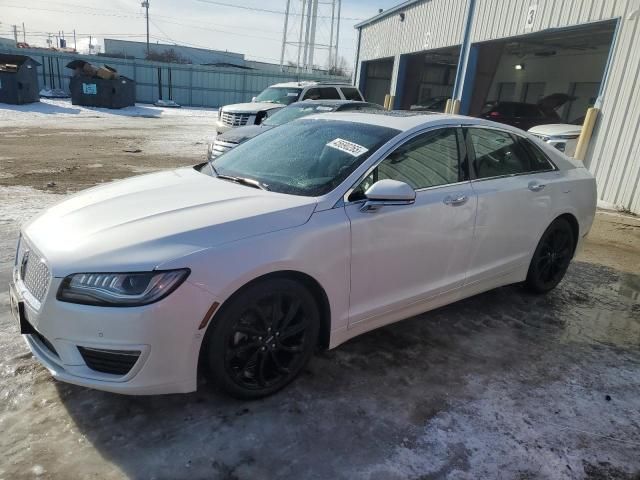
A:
240,134
141,222
555,129
251,107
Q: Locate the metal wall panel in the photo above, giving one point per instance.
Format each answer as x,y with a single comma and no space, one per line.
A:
428,25
194,85
614,152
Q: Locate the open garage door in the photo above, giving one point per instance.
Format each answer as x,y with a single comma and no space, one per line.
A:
377,80
548,77
428,80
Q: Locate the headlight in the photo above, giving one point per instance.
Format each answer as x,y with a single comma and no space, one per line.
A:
120,289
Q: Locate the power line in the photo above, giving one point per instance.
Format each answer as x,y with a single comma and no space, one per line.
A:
266,10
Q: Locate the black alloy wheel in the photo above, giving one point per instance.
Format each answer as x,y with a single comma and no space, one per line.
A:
552,257
263,338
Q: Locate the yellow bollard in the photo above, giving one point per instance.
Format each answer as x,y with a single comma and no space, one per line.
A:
447,106
585,134
387,99
455,107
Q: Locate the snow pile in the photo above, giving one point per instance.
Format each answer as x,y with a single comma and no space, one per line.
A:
49,108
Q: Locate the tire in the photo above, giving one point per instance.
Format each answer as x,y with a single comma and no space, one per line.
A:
551,258
262,339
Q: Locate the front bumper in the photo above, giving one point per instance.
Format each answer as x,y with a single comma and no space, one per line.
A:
164,335
221,126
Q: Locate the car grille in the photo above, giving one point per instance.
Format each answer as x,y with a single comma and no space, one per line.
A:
219,147
33,271
115,362
235,119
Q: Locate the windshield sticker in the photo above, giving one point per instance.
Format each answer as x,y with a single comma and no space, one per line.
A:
348,147
292,94
324,109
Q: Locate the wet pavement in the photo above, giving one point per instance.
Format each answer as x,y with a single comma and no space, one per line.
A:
502,385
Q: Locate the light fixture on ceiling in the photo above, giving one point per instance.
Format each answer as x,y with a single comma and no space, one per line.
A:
519,66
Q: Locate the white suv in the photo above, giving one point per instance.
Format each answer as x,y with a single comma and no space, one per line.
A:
281,95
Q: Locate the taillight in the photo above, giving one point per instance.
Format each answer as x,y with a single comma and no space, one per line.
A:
494,114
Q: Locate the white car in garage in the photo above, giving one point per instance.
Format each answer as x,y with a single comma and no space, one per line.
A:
562,136
302,238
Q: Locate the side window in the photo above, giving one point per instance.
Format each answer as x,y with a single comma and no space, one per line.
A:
329,93
429,160
312,94
497,154
539,161
351,93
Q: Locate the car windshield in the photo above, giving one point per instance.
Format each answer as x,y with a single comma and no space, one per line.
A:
308,157
292,112
279,95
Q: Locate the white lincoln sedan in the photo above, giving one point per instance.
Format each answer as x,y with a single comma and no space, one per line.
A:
301,238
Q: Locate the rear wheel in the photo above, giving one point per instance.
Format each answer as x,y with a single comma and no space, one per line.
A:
551,258
263,338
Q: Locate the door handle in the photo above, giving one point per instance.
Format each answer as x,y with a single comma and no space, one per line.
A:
455,200
536,187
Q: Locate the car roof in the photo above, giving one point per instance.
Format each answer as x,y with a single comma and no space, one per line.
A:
311,84
328,103
404,120
400,120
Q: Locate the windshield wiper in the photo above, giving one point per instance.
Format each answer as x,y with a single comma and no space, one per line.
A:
249,182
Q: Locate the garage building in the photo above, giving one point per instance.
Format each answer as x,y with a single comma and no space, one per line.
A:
509,57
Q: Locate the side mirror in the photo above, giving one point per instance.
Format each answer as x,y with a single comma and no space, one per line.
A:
253,100
387,193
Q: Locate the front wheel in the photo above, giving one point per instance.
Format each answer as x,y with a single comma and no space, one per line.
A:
551,258
262,339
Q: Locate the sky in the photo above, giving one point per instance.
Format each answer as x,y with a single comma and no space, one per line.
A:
241,26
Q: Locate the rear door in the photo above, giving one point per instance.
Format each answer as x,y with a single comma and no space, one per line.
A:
515,193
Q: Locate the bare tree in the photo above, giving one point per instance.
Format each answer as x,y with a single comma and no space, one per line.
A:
339,68
169,56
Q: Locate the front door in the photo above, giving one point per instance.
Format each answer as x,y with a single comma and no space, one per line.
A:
405,254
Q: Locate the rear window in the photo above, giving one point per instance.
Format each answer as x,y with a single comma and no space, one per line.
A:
351,93
329,93
539,161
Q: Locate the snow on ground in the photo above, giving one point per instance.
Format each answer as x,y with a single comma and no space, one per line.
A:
56,109
17,205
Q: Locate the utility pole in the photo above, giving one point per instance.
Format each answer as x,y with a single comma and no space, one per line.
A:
304,5
284,35
333,16
75,45
24,34
312,45
145,4
338,33
15,34
89,44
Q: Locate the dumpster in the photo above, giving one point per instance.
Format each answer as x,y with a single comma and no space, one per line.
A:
100,87
18,79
